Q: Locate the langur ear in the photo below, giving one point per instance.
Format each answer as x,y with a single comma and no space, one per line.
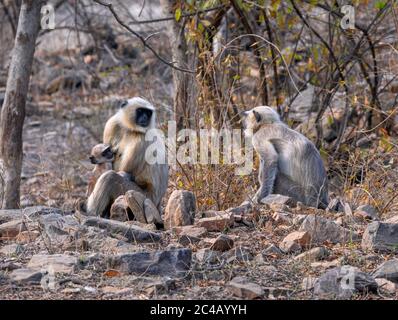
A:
257,116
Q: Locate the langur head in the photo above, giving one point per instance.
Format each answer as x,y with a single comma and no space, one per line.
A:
137,114
101,153
259,116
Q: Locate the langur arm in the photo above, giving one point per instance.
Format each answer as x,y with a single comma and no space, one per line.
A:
268,170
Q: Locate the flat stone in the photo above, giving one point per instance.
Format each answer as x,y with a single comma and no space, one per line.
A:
279,199
187,240
239,253
10,230
131,232
393,219
313,254
303,238
57,228
56,263
327,264
25,237
367,212
189,234
222,243
343,282
218,224
245,208
207,256
26,276
11,249
272,251
9,266
387,286
31,212
387,270
180,209
243,288
171,263
322,230
381,237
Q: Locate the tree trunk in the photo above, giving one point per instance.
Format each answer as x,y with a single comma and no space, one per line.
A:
183,82
13,111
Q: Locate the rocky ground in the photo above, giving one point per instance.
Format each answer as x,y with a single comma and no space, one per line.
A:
278,250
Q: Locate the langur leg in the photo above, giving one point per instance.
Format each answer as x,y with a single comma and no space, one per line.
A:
267,176
109,186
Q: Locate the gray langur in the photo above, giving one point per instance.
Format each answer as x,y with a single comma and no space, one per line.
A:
290,164
125,133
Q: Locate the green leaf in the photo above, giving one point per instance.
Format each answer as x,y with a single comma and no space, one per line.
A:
178,14
380,5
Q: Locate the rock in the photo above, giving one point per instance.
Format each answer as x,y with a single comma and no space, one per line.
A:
393,219
298,219
9,266
314,254
279,199
222,243
347,209
158,286
218,224
189,234
308,283
11,249
272,250
295,241
171,263
207,256
187,240
119,209
25,237
56,263
387,270
343,282
335,205
11,229
239,253
245,208
30,212
26,276
327,264
367,212
57,228
387,286
282,218
290,247
180,209
131,232
322,230
381,237
244,289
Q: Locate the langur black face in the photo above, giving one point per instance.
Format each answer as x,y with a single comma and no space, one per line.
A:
143,117
101,156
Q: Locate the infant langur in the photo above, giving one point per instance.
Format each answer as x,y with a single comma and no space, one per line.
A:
102,157
289,162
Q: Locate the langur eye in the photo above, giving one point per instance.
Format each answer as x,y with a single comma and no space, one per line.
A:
123,104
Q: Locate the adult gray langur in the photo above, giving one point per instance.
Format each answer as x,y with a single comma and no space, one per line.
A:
290,164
